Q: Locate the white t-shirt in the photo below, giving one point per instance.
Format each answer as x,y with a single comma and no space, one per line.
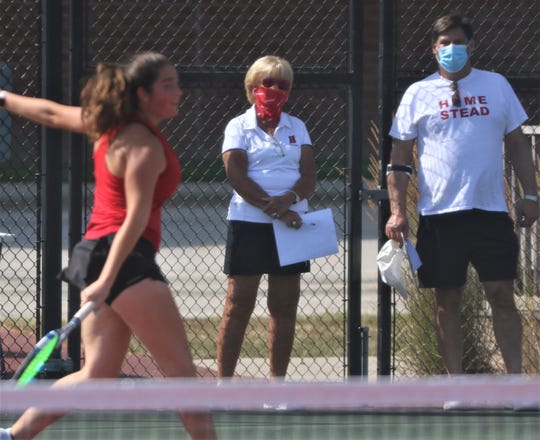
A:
273,162
460,149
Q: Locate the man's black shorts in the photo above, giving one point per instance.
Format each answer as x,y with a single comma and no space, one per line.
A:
447,243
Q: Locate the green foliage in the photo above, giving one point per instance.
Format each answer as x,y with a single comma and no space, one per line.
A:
416,338
17,174
193,170
530,318
205,170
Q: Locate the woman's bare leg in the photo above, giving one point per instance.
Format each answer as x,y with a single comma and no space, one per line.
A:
150,311
283,296
105,339
239,305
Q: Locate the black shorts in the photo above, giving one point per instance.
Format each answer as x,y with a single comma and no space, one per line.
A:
447,243
251,250
88,258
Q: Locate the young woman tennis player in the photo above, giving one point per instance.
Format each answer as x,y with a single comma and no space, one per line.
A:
136,171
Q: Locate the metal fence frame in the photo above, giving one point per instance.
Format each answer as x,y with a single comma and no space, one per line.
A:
54,44
49,314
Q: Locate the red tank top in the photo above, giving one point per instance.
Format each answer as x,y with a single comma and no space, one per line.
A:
109,209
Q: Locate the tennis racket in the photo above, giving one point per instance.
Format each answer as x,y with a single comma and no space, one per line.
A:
36,359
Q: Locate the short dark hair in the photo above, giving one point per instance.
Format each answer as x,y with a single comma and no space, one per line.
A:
447,22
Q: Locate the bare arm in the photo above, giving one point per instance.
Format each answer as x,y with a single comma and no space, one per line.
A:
518,151
45,112
236,166
402,154
304,186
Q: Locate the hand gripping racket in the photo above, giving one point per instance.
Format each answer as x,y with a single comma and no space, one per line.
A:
36,359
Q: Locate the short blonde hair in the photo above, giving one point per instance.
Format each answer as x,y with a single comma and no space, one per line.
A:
267,66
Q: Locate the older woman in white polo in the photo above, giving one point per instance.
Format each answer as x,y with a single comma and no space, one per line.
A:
270,165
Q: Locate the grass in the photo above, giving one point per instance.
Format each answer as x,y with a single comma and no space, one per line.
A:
316,336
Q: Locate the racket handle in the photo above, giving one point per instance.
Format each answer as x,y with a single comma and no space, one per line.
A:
84,311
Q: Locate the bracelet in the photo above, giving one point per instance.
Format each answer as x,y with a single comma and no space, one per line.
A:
3,95
403,168
531,197
296,196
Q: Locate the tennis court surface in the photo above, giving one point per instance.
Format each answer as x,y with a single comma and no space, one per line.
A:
490,408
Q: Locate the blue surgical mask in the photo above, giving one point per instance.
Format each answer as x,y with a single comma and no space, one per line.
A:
453,57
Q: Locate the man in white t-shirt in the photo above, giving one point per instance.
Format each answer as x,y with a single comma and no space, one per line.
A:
459,118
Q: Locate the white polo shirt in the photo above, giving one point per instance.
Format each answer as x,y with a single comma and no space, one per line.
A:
273,162
460,149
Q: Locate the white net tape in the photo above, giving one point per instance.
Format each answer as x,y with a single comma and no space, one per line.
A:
174,394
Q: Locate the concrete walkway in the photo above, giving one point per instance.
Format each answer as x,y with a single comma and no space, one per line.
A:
193,265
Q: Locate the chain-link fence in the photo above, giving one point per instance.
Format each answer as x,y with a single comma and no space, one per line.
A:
505,37
212,44
20,187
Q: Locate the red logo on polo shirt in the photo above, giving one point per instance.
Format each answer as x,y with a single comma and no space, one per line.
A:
292,140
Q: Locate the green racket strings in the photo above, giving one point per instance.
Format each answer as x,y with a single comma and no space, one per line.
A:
42,353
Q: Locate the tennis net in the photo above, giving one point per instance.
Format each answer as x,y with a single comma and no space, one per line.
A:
487,407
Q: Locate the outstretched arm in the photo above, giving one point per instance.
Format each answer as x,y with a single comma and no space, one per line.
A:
44,111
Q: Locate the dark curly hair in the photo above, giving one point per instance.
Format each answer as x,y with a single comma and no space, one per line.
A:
109,98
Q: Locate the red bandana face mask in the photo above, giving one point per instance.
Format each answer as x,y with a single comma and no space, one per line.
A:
269,102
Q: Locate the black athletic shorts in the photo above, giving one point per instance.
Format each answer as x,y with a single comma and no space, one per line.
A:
447,243
251,250
88,258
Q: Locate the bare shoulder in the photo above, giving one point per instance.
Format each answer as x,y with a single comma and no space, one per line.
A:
138,148
137,135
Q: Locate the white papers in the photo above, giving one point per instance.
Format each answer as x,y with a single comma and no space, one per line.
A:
412,255
316,238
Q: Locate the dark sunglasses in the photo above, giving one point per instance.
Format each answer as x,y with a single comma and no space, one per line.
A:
282,84
456,99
